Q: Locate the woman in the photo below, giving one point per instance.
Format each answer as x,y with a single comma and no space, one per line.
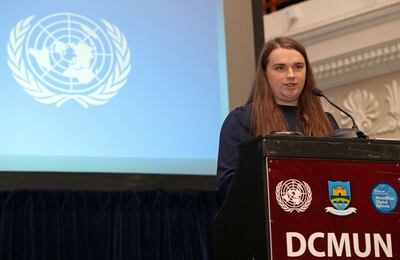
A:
281,99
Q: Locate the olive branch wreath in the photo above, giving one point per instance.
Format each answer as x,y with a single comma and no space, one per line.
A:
287,208
100,96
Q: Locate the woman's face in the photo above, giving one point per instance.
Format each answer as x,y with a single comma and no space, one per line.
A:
286,74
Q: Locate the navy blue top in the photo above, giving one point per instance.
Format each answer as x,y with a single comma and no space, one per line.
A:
235,130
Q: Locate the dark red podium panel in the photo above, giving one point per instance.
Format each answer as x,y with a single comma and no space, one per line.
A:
311,198
333,209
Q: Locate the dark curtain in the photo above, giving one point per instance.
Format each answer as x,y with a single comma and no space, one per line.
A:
55,225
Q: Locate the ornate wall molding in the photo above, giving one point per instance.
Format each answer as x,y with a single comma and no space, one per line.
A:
346,24
357,65
373,117
391,122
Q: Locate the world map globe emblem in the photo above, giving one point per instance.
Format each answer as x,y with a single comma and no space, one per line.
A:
66,56
293,195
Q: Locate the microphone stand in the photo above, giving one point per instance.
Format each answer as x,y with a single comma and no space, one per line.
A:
352,132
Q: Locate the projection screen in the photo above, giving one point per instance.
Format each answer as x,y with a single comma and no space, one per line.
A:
112,86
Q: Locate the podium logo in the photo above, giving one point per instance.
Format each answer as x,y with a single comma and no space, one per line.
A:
293,195
67,56
340,196
384,198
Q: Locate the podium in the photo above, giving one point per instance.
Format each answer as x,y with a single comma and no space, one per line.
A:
312,198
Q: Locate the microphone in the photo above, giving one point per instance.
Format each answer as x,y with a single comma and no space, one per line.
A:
343,132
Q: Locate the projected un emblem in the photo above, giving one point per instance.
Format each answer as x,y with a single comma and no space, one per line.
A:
66,57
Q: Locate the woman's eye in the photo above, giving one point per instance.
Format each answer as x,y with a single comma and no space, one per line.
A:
299,66
280,68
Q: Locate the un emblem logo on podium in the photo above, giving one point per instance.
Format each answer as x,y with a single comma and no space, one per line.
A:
67,56
293,195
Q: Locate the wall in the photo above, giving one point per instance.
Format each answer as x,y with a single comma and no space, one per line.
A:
240,50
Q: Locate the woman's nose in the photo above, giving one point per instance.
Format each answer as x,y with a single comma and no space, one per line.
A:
290,73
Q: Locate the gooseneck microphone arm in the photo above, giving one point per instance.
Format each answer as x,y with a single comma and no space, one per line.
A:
359,133
320,93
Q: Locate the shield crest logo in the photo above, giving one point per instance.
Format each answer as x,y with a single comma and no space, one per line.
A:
339,194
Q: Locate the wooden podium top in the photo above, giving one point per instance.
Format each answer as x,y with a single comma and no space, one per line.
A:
329,148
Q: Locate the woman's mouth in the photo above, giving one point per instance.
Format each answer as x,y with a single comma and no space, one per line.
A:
290,85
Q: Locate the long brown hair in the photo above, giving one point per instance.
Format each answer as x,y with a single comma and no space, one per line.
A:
266,115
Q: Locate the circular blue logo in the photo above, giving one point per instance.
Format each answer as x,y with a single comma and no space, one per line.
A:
384,197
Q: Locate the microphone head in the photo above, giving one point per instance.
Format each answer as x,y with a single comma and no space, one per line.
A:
318,92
